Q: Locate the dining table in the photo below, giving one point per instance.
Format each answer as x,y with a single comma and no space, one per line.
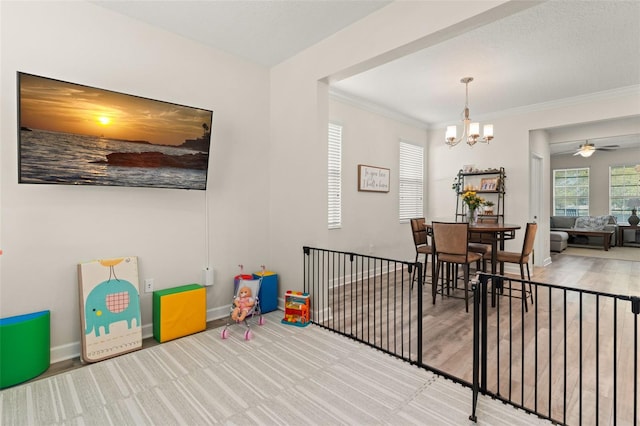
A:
493,233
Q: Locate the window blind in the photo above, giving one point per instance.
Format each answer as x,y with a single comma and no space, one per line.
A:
335,176
411,181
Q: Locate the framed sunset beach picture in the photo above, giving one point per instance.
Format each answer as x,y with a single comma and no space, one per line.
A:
80,135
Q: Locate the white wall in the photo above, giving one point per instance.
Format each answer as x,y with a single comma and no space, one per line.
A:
46,229
372,139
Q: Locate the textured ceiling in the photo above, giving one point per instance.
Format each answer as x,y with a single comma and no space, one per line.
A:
552,51
263,31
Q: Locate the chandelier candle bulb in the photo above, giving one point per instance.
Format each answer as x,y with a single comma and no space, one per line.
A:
488,131
474,130
451,132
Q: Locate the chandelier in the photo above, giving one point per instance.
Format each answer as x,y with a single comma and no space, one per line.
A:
471,131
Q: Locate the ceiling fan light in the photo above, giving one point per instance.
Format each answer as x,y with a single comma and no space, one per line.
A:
587,152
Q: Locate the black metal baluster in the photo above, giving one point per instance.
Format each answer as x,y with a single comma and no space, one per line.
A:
564,353
510,336
615,361
580,372
522,326
597,357
419,314
550,346
535,330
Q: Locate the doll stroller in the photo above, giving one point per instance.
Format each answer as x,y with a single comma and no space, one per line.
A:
245,305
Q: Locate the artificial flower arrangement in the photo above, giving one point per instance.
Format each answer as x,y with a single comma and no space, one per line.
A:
472,200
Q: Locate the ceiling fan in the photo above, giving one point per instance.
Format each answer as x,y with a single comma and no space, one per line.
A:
587,149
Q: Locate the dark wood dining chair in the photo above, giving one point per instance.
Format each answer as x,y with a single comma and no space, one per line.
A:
421,242
481,243
451,242
521,258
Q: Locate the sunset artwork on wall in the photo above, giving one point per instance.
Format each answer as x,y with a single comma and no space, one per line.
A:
79,135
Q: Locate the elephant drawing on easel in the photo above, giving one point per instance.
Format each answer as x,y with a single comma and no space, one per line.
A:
111,301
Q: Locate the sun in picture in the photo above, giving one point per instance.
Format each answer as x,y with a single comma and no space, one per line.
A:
104,120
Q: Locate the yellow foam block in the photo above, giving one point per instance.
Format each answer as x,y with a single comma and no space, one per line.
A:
179,311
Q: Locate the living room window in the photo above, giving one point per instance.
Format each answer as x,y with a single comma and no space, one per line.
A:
335,176
624,190
411,181
571,192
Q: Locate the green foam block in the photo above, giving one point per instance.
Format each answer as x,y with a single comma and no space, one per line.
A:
24,347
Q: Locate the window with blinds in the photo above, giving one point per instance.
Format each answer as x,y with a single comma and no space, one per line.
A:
624,190
571,192
334,176
411,180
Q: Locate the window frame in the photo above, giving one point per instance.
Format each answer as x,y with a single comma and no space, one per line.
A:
628,181
577,210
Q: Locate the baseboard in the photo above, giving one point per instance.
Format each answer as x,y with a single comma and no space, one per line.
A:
72,350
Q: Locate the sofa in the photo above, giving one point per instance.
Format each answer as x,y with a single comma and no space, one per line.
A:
585,223
559,241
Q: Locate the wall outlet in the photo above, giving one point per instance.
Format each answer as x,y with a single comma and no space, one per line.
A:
148,285
207,276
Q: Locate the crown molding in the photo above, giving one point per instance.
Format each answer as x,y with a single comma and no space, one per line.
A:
558,103
375,108
367,105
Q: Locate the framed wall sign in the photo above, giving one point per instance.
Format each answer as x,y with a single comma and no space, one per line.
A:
373,179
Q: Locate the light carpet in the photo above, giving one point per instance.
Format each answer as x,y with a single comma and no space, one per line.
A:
284,375
620,253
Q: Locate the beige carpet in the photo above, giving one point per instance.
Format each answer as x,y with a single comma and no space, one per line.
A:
620,253
284,376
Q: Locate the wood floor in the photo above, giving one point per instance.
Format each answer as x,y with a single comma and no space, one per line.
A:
544,358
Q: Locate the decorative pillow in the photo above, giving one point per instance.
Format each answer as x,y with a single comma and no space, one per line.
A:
591,223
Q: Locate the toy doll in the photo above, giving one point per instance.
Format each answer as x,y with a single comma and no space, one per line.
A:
244,302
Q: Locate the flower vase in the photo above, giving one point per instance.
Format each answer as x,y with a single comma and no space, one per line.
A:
472,217
633,219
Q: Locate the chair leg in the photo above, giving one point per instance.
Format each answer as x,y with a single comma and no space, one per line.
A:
530,289
434,286
524,289
501,281
413,274
424,269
